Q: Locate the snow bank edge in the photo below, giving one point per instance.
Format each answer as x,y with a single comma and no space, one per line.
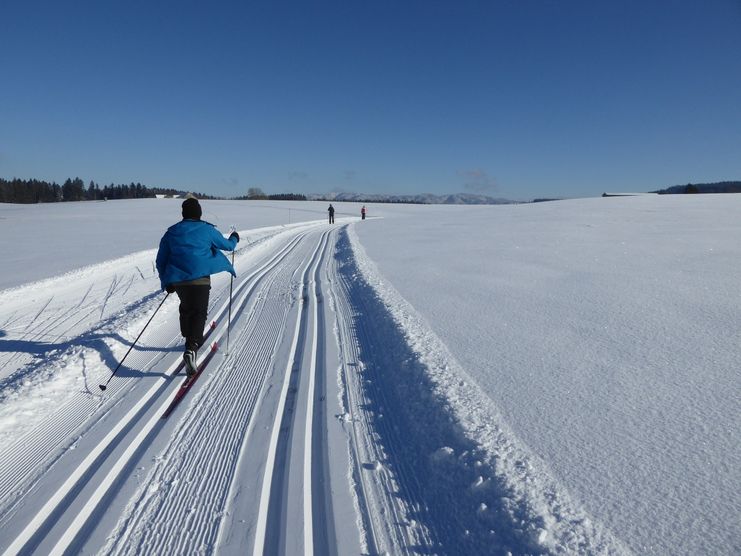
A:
557,523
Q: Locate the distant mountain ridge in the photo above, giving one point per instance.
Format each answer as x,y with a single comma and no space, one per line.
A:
422,198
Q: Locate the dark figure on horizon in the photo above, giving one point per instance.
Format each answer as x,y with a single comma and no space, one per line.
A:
331,213
362,213
189,253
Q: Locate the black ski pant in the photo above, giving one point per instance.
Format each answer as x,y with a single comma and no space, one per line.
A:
193,313
331,218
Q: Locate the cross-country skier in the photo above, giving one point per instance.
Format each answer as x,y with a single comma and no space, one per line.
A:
331,213
362,213
189,253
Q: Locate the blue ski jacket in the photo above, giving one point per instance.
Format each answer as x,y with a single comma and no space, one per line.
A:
190,249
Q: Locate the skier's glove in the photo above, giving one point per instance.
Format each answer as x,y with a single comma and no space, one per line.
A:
234,235
170,288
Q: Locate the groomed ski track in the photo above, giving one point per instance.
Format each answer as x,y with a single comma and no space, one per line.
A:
320,432
269,453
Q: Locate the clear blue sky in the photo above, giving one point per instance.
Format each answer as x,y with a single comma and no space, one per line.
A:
515,99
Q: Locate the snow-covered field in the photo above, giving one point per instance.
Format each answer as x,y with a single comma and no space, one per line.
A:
551,378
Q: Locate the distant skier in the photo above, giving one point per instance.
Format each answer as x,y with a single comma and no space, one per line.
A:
331,213
362,213
188,255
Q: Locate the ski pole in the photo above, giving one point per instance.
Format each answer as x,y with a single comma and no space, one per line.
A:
229,322
104,386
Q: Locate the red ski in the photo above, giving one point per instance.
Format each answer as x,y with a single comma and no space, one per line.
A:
185,386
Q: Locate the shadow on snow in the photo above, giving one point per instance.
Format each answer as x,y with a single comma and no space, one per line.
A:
46,352
446,479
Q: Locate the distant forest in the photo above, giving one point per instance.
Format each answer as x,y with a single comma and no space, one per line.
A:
257,194
717,187
38,191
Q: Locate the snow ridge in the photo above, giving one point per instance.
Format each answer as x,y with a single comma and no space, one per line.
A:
482,489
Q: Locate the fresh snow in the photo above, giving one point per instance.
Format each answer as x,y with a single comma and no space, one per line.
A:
547,378
605,333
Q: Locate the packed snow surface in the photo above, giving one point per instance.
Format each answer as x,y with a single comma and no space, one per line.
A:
605,331
546,378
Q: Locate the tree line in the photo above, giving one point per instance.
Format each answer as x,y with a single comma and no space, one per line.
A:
716,187
257,194
39,191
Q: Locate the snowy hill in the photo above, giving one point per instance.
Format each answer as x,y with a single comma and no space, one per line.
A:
536,378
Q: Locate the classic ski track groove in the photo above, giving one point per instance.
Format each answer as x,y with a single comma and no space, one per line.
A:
284,417
325,540
37,524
